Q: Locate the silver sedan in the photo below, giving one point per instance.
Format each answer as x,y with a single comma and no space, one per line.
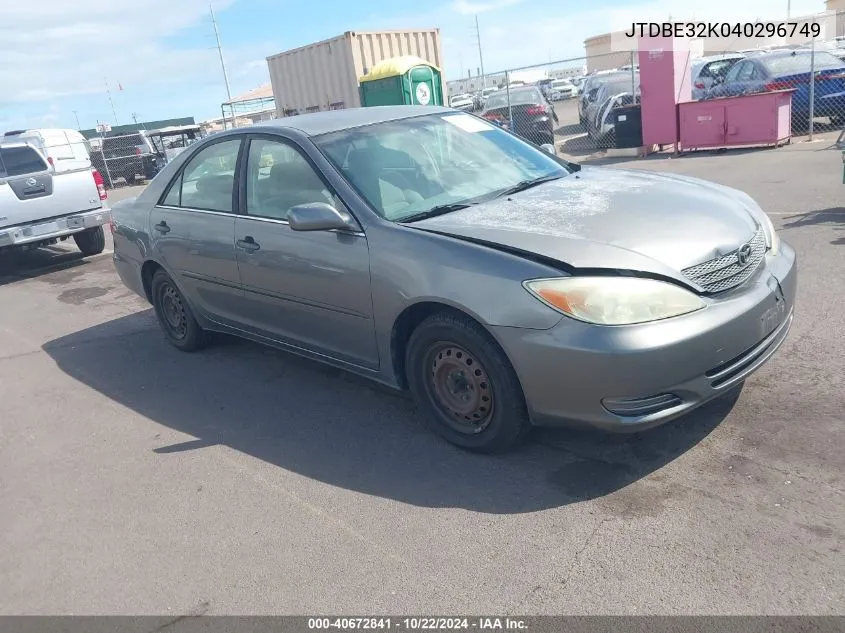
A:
432,251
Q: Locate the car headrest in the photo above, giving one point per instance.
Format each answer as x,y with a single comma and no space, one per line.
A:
296,174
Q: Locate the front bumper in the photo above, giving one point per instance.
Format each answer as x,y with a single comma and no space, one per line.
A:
53,228
629,378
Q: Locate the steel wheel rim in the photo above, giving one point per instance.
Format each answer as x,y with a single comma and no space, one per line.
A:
173,312
460,387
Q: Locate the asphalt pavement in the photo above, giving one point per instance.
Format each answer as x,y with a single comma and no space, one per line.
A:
135,479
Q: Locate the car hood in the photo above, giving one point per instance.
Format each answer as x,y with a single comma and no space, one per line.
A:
613,219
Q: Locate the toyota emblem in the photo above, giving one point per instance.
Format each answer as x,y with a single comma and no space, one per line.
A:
743,255
31,182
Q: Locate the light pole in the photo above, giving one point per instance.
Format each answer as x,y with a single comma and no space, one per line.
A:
76,116
480,56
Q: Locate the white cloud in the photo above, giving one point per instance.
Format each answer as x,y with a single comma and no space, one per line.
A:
58,48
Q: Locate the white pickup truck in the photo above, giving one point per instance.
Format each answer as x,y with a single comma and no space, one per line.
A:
40,206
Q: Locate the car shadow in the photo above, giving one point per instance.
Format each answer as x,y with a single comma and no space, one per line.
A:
16,265
333,427
833,216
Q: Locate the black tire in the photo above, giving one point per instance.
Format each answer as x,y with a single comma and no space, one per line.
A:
174,315
130,179
489,414
91,241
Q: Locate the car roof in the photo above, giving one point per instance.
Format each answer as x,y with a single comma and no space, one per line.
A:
316,123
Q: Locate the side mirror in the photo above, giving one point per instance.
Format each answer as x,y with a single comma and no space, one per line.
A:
548,148
319,216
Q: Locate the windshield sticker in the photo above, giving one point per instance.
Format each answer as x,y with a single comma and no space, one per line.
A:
468,123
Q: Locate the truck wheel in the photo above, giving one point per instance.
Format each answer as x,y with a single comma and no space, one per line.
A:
91,241
130,179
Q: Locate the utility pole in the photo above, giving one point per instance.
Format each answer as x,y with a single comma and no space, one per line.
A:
480,56
788,9
220,51
76,116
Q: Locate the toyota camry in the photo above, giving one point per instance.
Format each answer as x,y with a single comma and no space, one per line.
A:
433,251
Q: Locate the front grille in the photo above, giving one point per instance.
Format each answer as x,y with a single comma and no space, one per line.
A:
725,272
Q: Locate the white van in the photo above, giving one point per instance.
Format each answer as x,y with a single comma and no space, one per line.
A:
65,150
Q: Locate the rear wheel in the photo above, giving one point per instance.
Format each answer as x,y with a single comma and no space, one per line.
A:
130,179
174,314
91,241
466,384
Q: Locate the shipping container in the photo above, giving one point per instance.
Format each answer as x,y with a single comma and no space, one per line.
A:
324,75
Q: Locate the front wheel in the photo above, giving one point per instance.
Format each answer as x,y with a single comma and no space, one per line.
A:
91,241
465,383
174,315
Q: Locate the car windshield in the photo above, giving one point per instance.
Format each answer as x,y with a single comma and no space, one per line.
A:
800,63
419,165
517,97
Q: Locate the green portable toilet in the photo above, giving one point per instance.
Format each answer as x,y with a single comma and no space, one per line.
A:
406,80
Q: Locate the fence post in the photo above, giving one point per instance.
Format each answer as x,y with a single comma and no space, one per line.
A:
109,180
510,110
812,86
633,77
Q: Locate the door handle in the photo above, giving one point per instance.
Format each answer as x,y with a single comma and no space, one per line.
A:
248,244
162,227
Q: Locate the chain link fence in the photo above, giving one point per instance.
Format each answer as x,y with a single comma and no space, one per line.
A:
125,159
128,159
569,103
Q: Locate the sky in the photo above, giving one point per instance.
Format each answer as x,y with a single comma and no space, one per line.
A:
59,59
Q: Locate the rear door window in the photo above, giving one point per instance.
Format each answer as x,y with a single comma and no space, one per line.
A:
17,161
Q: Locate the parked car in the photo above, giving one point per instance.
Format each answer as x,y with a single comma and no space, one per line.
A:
596,95
612,94
533,117
129,156
590,89
486,92
64,149
790,70
432,251
462,102
40,205
707,71
561,89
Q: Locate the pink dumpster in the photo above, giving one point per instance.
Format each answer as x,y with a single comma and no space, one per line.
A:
749,120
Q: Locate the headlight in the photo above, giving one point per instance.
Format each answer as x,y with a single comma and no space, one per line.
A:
772,239
614,300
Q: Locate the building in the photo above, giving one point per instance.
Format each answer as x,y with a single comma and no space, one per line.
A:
608,51
324,75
